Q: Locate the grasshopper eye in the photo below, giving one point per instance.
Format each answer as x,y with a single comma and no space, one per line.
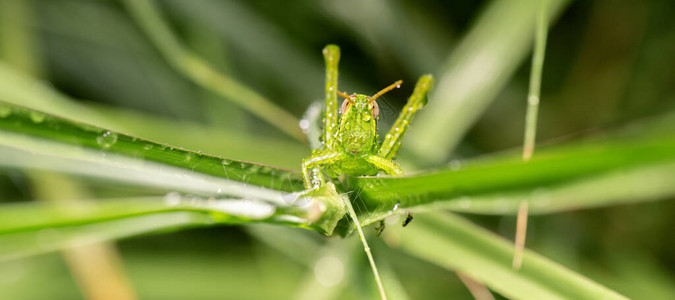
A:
345,105
375,111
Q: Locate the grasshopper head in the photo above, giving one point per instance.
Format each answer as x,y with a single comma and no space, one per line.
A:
357,134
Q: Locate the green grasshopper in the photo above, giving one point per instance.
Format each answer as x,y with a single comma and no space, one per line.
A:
350,144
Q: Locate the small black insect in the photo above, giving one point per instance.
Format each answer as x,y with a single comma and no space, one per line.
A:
408,219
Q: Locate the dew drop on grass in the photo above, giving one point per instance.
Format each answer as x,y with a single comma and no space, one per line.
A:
253,168
107,139
5,111
147,147
265,170
226,162
172,199
304,125
37,117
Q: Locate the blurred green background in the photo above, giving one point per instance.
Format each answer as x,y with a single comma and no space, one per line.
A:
609,63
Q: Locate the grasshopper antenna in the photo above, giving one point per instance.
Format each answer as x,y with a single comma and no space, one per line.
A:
394,85
343,95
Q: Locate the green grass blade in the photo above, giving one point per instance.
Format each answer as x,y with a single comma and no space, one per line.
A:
18,89
476,71
535,81
649,183
36,227
201,73
454,243
587,172
25,128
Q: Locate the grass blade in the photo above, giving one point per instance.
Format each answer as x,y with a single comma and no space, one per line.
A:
456,244
18,89
589,172
479,67
201,73
31,228
26,128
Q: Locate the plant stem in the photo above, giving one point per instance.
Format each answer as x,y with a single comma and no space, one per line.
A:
366,248
531,121
200,72
535,81
476,70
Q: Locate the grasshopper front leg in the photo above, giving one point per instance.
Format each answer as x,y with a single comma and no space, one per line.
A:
385,165
315,179
331,55
329,122
392,141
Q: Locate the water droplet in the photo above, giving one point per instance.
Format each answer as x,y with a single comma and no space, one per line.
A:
5,111
533,100
304,125
172,199
37,117
330,88
396,206
366,118
410,108
107,139
226,162
147,147
189,156
398,86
